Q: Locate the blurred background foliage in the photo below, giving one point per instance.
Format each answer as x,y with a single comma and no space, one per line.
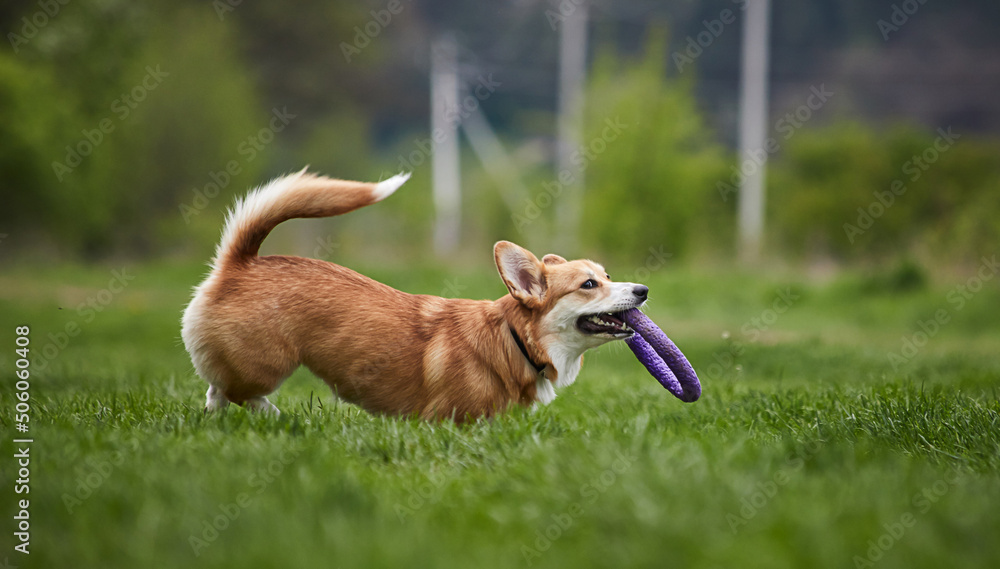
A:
146,189
945,205
655,185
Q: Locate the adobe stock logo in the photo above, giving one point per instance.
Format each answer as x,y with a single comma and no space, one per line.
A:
787,126
914,168
249,149
582,157
697,44
901,14
121,108
453,115
896,529
562,523
959,296
760,495
31,26
563,11
363,36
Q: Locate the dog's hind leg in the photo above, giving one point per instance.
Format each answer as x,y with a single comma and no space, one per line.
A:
261,404
214,399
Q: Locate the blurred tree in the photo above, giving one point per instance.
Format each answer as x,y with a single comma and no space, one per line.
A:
200,128
117,113
228,68
35,119
855,193
650,162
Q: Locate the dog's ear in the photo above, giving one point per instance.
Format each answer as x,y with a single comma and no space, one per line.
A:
522,272
553,259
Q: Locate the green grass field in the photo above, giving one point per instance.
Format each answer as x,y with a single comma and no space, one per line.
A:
810,447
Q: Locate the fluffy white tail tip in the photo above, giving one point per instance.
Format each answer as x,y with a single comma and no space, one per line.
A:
385,188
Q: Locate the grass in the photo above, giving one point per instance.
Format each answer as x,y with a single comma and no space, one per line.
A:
807,448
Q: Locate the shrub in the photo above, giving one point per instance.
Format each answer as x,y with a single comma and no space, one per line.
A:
654,185
853,193
139,159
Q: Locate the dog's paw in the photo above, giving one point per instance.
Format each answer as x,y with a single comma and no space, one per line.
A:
215,400
262,405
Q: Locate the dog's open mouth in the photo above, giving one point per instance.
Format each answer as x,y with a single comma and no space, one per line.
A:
604,323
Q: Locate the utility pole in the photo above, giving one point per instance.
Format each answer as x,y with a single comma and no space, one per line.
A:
445,160
572,73
753,128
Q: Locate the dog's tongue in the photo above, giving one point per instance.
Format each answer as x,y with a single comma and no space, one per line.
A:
661,357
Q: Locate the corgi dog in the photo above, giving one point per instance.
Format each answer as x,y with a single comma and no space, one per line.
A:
255,319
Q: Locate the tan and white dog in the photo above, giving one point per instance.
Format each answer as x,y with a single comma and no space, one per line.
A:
254,320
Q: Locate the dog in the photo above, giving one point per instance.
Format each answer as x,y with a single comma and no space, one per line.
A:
255,319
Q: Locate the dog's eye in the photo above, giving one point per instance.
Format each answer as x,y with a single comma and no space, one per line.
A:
589,283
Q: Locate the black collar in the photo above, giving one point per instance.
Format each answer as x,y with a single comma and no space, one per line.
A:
520,345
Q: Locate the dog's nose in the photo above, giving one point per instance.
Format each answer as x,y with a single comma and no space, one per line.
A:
640,290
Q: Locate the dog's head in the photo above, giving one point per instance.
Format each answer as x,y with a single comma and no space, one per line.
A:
573,305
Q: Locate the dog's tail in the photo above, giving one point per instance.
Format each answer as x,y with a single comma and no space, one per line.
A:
296,195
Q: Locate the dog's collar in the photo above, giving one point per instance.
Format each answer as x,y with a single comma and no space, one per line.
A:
524,351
